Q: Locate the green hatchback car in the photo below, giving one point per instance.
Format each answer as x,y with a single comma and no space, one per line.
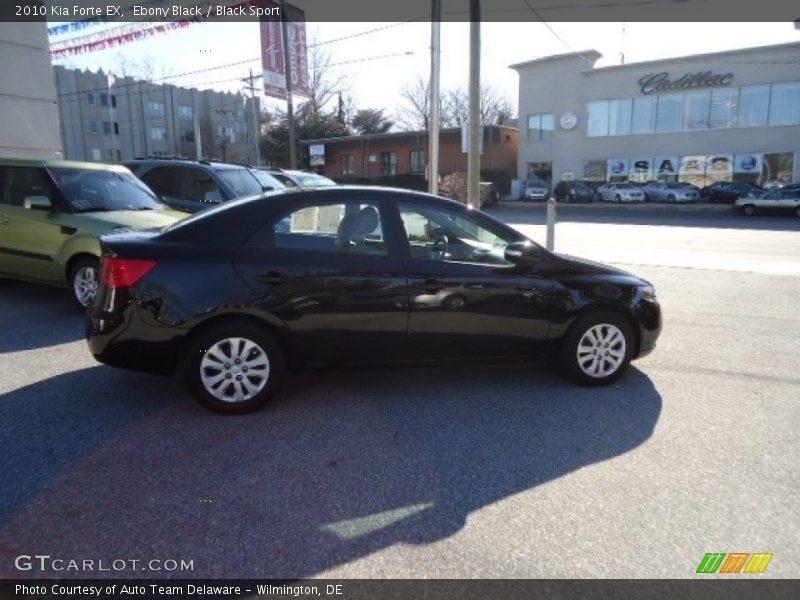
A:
52,213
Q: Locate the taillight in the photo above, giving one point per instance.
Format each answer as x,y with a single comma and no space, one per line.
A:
123,272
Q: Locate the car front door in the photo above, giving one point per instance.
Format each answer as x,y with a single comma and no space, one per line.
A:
465,299
790,200
328,271
30,234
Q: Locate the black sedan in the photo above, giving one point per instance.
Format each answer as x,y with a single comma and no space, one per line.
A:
233,296
573,191
729,191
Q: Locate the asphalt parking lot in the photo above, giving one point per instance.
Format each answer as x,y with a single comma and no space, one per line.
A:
460,471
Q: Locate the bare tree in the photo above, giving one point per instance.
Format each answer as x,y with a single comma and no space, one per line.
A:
324,83
495,107
415,111
148,69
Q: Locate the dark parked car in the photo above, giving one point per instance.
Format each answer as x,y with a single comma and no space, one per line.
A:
234,295
192,185
573,191
729,191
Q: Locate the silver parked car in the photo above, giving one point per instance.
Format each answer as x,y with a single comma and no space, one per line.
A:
671,193
534,189
620,192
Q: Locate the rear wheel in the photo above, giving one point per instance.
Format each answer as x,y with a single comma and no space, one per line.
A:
618,198
670,199
797,211
597,349
749,210
233,368
83,277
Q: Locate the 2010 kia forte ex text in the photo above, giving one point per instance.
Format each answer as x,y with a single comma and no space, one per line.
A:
233,296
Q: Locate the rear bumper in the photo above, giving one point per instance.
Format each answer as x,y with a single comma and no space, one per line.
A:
126,342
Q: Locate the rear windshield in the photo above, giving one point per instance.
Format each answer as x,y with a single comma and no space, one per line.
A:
267,180
241,181
312,179
93,190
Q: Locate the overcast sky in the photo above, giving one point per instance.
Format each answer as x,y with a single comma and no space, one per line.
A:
376,83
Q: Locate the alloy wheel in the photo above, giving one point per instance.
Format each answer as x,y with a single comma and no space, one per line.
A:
234,369
84,285
601,350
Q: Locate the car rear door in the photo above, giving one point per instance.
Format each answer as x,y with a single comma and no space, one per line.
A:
328,268
465,300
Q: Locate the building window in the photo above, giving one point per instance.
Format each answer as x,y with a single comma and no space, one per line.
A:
597,123
778,168
348,164
104,99
670,113
644,114
116,128
417,161
540,127
753,105
106,127
187,135
388,163
90,98
696,110
185,111
113,101
594,170
156,108
724,108
158,134
619,117
784,104
96,154
93,127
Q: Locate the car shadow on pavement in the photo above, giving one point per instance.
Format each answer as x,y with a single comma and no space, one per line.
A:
340,466
36,316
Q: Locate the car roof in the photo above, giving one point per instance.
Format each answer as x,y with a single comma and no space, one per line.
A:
58,163
188,162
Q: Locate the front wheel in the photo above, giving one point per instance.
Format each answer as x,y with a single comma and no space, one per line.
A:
670,199
797,211
233,368
597,349
749,210
618,198
83,277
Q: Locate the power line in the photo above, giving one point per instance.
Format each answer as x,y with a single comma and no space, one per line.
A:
558,37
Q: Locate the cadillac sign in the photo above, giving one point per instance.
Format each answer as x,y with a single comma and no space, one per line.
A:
653,83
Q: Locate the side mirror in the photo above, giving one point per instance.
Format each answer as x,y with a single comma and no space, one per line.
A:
522,253
267,188
38,203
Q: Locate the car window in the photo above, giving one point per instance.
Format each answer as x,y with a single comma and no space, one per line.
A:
267,180
436,233
163,181
198,185
284,180
312,179
342,228
93,190
24,182
241,181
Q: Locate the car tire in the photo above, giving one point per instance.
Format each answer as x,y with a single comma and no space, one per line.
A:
597,348
211,361
84,275
670,199
618,198
749,210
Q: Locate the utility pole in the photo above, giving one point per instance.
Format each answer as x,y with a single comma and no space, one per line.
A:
474,162
250,81
287,64
433,132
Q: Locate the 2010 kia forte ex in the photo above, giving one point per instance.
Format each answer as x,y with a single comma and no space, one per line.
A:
236,294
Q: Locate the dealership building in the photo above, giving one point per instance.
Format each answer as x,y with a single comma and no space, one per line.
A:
709,117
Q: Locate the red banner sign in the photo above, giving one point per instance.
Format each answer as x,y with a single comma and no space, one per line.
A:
273,48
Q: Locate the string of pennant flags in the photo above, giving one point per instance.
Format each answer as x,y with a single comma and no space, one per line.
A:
131,32
74,26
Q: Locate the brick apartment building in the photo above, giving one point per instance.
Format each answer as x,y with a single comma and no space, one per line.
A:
380,155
